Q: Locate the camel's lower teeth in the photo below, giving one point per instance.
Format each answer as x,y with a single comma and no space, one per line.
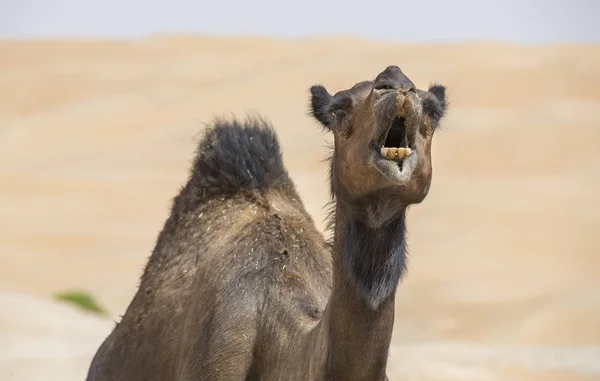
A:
395,153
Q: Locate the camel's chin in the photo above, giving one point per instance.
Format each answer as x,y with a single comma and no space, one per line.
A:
397,171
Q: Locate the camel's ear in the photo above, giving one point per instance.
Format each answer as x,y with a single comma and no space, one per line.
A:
435,106
320,100
328,109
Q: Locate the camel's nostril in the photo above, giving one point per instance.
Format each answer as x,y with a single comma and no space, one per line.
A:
384,86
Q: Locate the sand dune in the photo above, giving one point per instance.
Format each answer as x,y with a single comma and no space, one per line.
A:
504,279
41,340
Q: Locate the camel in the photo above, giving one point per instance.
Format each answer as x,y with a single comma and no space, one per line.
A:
242,286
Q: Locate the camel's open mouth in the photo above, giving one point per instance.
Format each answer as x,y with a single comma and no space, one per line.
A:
395,145
394,151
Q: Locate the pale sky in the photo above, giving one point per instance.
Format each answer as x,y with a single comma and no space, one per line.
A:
522,21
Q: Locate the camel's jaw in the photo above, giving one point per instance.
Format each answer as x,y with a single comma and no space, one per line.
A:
393,148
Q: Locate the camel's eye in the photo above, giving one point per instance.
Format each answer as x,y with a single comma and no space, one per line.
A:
337,114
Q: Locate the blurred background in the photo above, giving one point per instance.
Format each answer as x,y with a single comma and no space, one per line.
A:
102,103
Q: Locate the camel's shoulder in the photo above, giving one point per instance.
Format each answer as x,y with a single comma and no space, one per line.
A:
278,256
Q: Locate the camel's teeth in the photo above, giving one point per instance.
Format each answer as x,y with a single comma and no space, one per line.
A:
395,153
388,152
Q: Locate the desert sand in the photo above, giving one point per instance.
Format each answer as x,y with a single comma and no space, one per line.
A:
96,137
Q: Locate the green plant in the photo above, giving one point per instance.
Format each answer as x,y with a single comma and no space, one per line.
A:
82,300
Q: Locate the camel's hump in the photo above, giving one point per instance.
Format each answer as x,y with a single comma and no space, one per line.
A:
236,155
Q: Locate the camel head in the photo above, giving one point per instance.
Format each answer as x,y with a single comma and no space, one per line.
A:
382,136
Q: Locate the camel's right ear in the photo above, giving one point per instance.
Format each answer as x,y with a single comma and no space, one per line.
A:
436,106
320,101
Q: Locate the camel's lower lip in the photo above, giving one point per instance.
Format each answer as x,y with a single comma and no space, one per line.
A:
397,171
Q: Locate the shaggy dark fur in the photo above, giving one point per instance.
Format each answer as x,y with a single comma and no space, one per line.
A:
233,156
375,258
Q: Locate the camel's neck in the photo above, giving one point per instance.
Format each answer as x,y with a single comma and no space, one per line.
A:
368,264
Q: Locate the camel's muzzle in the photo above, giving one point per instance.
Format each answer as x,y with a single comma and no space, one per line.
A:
397,112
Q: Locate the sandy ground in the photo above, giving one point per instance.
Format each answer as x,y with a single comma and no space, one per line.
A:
504,280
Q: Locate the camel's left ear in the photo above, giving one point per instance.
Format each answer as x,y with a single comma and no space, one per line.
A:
327,109
435,106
